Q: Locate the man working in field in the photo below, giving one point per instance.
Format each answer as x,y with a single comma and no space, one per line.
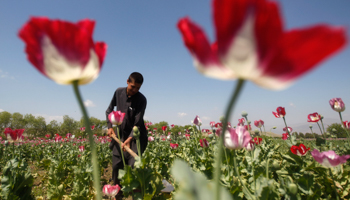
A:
131,102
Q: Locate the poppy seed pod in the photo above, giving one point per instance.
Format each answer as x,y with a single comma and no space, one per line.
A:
136,132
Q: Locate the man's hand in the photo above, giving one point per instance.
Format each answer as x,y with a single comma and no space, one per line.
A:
126,143
110,132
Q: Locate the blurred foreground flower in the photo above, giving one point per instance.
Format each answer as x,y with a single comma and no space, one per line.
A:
241,122
300,150
110,190
251,44
257,140
329,158
285,136
197,121
150,139
237,138
250,146
63,51
289,129
174,146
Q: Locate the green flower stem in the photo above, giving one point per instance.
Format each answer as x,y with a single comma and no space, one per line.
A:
138,146
335,187
94,160
217,172
347,131
322,126
239,177
324,136
264,130
120,145
313,133
290,138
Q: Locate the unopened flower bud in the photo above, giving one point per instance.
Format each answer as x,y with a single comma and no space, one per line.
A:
310,126
256,131
222,118
274,127
334,130
249,122
244,114
322,117
136,132
293,188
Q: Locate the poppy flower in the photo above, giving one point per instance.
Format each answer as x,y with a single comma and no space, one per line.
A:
257,140
237,138
81,148
164,128
337,104
313,117
241,122
187,136
212,124
63,51
329,158
281,112
197,121
250,146
150,138
110,190
116,117
289,129
300,150
174,146
346,124
251,44
285,136
204,143
259,123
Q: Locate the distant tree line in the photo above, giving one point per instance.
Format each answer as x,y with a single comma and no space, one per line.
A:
37,127
334,130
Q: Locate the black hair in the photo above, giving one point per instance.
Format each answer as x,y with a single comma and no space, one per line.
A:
137,77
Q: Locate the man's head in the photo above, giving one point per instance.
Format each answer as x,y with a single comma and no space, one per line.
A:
134,82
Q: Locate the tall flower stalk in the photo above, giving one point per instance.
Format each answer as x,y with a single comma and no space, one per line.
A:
94,160
230,106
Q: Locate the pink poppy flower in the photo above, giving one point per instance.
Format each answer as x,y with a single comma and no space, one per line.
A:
289,129
164,128
257,140
47,135
337,104
259,123
110,190
63,51
246,127
313,117
69,135
92,127
16,134
204,143
7,131
150,138
187,136
329,158
116,117
81,148
281,112
197,121
285,136
82,129
172,126
58,138
218,125
241,122
251,44
237,138
300,150
174,146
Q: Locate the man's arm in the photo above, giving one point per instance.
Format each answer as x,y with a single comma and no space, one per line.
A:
139,117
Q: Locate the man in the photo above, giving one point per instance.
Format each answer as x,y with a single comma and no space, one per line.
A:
131,102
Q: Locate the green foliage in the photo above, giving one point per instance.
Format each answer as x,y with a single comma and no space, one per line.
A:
16,181
337,129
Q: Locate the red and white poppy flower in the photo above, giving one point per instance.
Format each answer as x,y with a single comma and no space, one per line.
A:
251,44
281,112
300,150
63,51
313,117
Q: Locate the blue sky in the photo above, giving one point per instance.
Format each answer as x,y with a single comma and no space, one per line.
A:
142,36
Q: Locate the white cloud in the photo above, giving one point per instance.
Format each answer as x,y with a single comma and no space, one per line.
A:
181,114
1,110
292,104
206,118
49,118
5,75
89,103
